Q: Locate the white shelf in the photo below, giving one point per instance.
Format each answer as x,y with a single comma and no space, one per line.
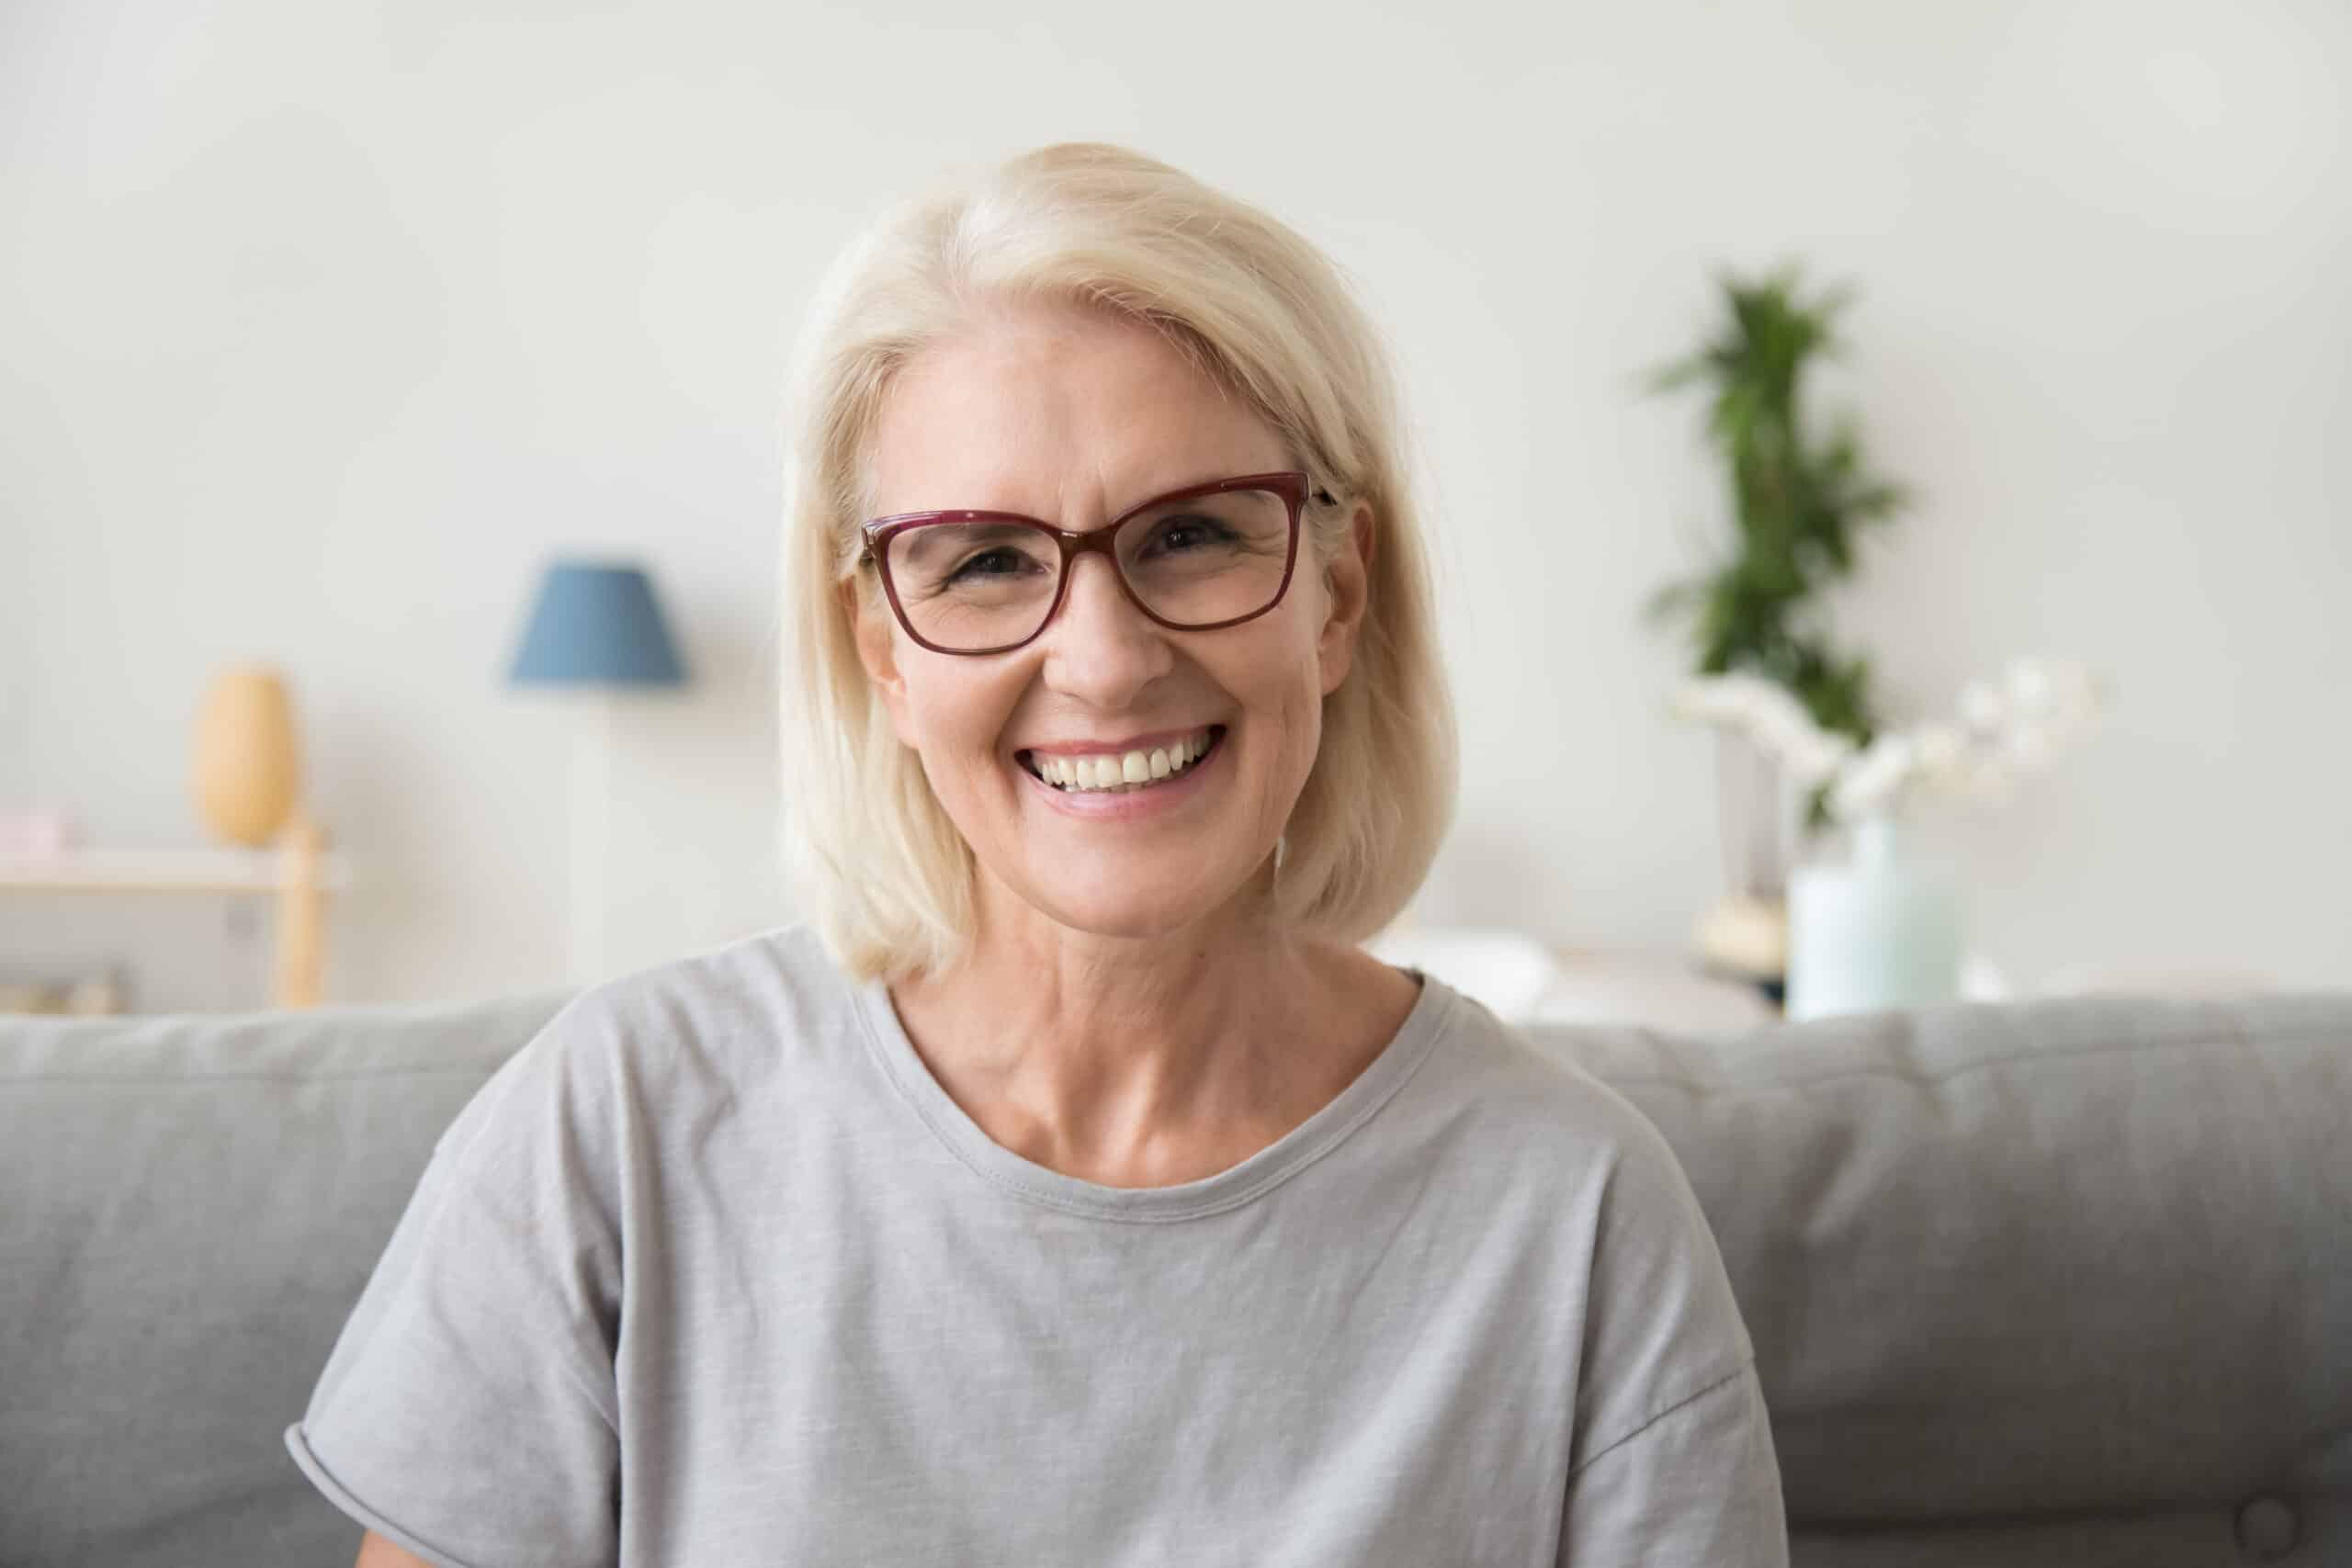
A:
165,871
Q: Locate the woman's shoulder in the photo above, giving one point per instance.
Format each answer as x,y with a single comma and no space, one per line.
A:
1503,1063
781,977
1549,1127
1548,1110
708,1022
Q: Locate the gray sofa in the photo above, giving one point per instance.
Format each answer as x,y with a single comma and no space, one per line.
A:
2049,1282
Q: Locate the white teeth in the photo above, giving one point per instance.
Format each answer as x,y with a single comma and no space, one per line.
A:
1121,772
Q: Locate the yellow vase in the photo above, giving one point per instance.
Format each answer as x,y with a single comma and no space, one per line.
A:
248,770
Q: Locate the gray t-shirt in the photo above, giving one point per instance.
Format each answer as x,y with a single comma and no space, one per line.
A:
713,1272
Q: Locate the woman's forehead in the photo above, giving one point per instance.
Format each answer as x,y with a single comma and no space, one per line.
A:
1059,426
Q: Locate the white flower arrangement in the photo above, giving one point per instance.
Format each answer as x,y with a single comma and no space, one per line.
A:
2005,730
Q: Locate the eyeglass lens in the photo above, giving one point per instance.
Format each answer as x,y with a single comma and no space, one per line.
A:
1192,563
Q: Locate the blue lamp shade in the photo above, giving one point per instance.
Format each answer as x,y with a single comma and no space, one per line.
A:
596,624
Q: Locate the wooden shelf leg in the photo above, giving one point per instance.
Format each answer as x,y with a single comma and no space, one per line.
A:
301,924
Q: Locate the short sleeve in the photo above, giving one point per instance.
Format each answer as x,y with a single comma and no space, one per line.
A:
1698,1487
468,1412
1672,1461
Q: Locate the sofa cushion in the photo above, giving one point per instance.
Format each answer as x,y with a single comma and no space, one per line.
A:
193,1203
2033,1265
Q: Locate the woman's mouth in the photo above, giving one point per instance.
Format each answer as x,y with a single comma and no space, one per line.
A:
1121,772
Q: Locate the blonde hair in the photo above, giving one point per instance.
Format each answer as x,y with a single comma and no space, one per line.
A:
875,864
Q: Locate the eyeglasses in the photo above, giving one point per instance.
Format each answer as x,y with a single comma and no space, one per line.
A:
1195,560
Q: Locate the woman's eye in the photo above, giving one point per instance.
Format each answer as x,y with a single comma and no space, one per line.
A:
1183,533
988,563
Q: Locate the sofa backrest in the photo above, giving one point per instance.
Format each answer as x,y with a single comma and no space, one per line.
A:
2052,1281
189,1208
2055,1281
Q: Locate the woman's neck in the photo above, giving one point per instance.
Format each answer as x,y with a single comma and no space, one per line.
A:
1147,1062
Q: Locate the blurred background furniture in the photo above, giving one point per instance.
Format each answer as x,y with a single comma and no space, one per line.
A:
2036,1282
297,876
1526,980
1523,980
249,788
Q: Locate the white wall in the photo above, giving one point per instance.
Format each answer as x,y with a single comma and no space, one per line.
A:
322,326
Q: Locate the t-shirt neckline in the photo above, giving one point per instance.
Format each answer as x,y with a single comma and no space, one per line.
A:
1238,1184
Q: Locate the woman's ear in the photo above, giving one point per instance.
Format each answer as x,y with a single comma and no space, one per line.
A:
1347,589
874,628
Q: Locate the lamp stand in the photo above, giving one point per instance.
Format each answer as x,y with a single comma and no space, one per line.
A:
590,809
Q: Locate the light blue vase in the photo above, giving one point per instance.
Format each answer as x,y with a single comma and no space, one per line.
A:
1883,931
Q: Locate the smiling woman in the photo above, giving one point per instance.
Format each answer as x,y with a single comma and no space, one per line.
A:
1068,348
1072,1187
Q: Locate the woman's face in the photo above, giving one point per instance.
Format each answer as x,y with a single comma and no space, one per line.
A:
1073,418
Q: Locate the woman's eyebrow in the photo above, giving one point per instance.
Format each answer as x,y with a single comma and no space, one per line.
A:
916,544
1206,477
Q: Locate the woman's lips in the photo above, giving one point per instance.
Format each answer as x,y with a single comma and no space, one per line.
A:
1123,804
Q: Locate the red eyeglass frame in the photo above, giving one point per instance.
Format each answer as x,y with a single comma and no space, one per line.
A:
1291,486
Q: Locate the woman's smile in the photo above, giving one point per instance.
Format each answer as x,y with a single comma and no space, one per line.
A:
1123,787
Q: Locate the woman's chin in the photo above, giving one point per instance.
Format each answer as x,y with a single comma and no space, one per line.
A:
1125,912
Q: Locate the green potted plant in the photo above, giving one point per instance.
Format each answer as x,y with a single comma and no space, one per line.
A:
1799,503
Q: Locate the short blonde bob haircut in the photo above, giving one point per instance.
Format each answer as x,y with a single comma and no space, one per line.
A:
875,864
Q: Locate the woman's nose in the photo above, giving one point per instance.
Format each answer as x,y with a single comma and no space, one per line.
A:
1100,646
